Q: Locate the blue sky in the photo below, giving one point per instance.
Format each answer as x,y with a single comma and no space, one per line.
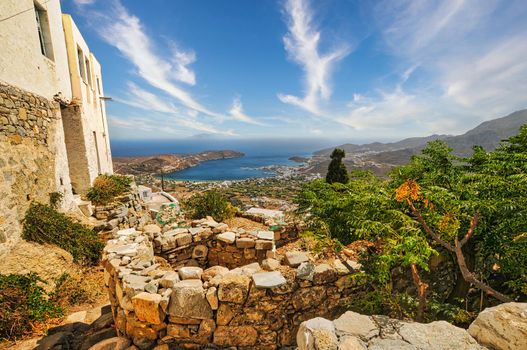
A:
343,69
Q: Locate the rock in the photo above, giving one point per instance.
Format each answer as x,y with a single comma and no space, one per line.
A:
235,336
115,343
77,317
268,279
200,251
389,344
190,272
56,341
245,243
250,269
227,237
270,264
188,300
127,249
357,325
294,259
214,271
169,279
352,343
264,245
147,308
152,230
266,235
97,337
224,315
502,327
212,298
234,288
183,239
439,335
317,334
323,274
340,268
126,232
305,271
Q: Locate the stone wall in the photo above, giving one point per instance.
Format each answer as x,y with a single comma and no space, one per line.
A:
29,155
209,243
255,306
127,211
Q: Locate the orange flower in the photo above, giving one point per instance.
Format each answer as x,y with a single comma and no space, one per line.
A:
409,190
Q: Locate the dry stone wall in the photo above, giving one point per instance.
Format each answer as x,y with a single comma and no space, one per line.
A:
193,304
27,157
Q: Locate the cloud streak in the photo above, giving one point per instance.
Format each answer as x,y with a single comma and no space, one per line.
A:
302,45
125,32
237,113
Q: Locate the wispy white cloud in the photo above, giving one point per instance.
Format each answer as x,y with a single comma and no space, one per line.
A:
84,2
141,98
237,113
472,53
302,45
127,34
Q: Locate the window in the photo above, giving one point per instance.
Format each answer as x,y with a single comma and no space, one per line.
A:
44,35
98,86
82,69
88,70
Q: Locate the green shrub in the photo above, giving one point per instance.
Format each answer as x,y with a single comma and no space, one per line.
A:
43,224
106,187
212,203
23,303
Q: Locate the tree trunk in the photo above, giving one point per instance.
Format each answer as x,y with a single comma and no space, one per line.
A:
421,292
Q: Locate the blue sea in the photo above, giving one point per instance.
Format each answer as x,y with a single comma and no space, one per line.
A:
258,153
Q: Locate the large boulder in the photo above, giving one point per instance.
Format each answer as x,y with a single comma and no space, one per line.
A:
439,335
503,327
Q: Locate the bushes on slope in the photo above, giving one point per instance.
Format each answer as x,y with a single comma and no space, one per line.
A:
106,187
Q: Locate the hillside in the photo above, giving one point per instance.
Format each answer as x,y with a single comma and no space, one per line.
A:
167,163
380,157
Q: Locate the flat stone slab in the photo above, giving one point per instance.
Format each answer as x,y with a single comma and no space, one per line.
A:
294,259
266,235
227,237
126,232
268,279
127,249
190,272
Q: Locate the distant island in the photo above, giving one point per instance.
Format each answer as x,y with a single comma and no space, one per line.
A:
167,163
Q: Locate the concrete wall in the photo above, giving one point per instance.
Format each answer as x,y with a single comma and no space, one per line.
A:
87,88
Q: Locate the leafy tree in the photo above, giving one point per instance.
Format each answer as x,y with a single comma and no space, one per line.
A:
212,203
337,171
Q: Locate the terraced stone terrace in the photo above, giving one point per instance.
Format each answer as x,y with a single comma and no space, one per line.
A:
210,286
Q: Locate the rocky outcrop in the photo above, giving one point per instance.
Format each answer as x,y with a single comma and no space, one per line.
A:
503,327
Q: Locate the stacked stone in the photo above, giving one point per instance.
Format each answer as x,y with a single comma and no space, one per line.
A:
503,327
126,211
209,243
23,114
248,307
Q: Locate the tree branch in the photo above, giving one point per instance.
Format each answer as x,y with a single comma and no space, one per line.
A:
421,292
427,228
469,276
470,232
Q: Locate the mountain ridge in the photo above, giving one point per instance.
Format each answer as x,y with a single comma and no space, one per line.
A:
380,157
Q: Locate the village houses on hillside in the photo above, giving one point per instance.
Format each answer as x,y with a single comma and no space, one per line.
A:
53,127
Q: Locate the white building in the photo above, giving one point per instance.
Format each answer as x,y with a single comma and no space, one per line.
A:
53,129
